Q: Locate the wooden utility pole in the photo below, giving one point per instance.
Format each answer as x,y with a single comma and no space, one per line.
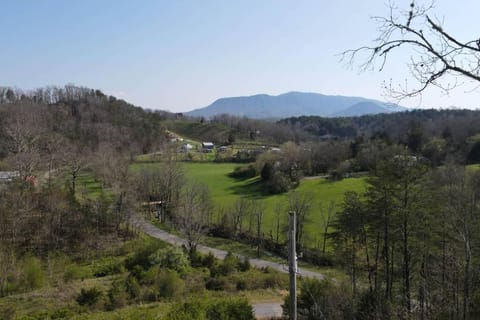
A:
292,266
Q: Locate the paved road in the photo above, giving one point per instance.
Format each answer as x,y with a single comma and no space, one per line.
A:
267,310
262,310
155,232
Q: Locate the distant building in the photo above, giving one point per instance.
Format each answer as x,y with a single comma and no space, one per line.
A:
207,147
8,176
186,147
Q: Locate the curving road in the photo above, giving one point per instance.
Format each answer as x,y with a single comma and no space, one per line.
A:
262,310
155,232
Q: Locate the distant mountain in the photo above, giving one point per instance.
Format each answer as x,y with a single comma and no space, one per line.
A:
264,106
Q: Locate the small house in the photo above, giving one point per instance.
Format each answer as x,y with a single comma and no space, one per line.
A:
186,147
207,147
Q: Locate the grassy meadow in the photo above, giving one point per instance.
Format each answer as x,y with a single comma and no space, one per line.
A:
225,190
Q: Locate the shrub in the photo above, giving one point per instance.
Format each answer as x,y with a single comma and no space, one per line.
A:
89,297
33,275
7,312
206,309
216,284
171,258
169,284
241,285
209,260
322,298
278,184
273,280
164,283
229,264
107,267
142,255
138,272
73,272
244,265
132,287
244,172
231,309
117,296
187,311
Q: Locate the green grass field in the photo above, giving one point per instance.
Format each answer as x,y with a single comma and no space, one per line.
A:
225,191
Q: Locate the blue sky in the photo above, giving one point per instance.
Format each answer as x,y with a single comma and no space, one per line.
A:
178,55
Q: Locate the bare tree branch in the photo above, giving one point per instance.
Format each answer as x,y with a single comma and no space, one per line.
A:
436,56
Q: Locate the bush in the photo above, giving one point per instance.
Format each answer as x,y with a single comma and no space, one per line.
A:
7,312
107,267
117,296
169,284
141,257
73,272
33,275
163,283
132,287
322,298
216,284
218,309
244,265
231,309
171,258
244,172
187,311
209,260
89,297
229,264
273,280
241,285
278,184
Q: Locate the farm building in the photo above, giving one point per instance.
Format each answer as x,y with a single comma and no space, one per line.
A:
186,147
207,146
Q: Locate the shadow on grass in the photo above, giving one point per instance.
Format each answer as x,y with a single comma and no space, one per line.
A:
237,178
254,189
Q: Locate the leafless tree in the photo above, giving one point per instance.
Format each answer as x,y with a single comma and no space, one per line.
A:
240,210
301,203
438,58
327,222
74,160
258,211
193,213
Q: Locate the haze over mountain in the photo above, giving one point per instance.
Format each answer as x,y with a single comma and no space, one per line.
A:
264,106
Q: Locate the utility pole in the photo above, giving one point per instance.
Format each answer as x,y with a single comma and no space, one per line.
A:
292,266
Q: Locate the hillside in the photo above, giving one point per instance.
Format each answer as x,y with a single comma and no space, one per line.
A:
77,118
263,106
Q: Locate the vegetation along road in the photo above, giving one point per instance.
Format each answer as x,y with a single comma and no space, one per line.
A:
155,232
262,310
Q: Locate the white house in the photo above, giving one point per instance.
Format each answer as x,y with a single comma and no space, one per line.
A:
186,147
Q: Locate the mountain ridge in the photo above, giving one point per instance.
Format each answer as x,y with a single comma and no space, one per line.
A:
294,103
